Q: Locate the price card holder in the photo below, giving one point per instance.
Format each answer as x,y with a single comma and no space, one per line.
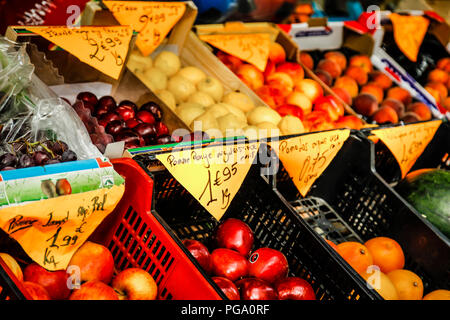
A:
212,175
306,157
408,142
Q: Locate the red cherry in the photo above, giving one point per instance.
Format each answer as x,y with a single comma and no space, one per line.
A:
161,129
125,112
106,118
146,116
131,123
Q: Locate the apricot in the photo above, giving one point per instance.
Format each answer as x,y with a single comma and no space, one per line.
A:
331,67
381,79
400,94
374,89
385,115
365,104
324,76
361,61
358,74
337,57
395,104
307,60
348,84
438,75
421,109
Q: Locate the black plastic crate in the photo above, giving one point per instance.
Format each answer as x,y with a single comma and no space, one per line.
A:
275,224
10,288
351,193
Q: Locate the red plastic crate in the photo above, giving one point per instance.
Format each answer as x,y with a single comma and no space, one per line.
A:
137,239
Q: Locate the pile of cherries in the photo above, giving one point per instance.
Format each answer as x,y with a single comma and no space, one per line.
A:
137,127
25,154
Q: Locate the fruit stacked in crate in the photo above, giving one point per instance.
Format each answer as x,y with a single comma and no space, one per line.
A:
438,82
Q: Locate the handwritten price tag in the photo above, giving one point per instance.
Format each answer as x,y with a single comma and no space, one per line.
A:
104,48
152,20
408,142
212,175
51,230
252,48
306,157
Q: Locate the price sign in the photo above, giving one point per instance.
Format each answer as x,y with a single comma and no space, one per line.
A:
152,20
51,230
213,175
408,142
252,48
104,48
306,157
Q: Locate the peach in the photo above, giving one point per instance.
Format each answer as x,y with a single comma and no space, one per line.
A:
365,104
410,117
443,63
293,69
270,68
421,109
311,88
250,75
348,122
330,66
337,57
331,106
343,94
357,73
374,89
282,80
400,94
271,95
361,61
277,54
307,60
301,100
385,115
348,84
440,87
324,77
381,79
438,75
395,104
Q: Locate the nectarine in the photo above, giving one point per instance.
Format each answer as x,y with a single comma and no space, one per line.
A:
395,104
343,94
357,73
332,107
277,54
381,79
330,66
230,61
250,75
294,70
271,95
307,60
374,89
317,121
409,117
324,77
301,100
385,115
282,80
337,57
421,109
348,84
349,122
400,94
310,88
270,68
362,61
365,104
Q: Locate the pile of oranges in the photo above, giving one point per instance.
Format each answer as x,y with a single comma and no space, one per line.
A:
381,261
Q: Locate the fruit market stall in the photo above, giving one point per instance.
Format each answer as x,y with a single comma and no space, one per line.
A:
147,156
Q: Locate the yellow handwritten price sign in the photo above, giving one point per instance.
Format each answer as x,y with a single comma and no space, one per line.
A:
252,48
152,20
408,142
51,230
306,157
213,175
104,48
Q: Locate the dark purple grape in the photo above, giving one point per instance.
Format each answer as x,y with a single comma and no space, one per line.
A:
57,147
8,160
88,97
52,161
40,157
26,161
68,155
154,109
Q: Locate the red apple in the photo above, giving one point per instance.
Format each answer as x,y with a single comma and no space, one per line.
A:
229,264
294,288
200,252
135,284
293,69
290,109
268,264
146,116
126,112
94,290
228,287
55,282
36,291
234,234
95,262
256,289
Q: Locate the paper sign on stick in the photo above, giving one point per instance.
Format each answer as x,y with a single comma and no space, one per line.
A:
306,157
408,142
151,19
213,175
104,48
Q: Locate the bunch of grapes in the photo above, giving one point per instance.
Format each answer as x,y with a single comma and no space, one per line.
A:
25,154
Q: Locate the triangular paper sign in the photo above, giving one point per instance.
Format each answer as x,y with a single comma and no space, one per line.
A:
409,32
252,48
306,157
408,142
104,48
212,175
152,20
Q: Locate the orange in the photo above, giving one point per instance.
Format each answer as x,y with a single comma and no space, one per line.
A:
408,284
382,284
356,255
440,294
332,244
386,253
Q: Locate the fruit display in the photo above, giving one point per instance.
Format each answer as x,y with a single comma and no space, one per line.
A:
438,82
370,92
90,275
108,121
243,271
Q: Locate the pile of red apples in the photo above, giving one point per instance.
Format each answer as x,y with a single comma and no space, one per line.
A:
243,273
